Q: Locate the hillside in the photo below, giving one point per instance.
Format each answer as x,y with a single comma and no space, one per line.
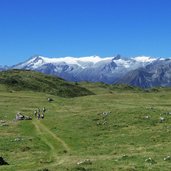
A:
102,88
34,81
120,130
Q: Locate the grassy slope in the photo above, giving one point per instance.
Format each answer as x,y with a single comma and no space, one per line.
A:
73,131
31,80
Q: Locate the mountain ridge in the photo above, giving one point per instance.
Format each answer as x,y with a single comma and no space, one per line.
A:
109,70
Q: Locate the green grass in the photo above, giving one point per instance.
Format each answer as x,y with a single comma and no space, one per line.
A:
30,80
74,130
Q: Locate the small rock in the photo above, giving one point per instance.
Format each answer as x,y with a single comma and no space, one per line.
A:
162,119
50,99
86,161
18,139
3,162
167,158
2,121
4,124
124,156
150,160
146,117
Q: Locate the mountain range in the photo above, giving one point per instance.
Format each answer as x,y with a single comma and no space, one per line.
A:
141,71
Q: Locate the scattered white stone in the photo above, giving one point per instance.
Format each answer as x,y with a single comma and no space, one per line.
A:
150,160
162,119
18,139
4,124
146,117
167,113
124,156
50,99
167,158
106,113
86,161
2,121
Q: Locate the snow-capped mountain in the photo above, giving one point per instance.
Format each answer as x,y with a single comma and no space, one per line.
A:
3,68
92,68
157,73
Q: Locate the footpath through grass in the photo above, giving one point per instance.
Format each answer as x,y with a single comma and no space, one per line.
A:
108,131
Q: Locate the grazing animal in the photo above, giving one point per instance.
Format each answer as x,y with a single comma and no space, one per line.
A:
35,113
38,115
42,116
44,109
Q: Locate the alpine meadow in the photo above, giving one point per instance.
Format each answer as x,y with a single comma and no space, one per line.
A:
97,127
85,85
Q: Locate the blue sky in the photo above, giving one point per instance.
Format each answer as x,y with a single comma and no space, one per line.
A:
58,28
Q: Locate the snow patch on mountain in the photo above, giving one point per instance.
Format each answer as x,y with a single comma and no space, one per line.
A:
86,62
144,59
123,63
119,64
74,60
98,69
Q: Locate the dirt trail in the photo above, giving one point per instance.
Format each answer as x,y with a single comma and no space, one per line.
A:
42,129
40,132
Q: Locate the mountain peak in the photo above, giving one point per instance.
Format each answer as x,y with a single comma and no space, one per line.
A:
117,57
35,57
102,69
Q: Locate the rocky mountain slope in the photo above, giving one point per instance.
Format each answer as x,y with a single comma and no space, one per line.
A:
139,71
